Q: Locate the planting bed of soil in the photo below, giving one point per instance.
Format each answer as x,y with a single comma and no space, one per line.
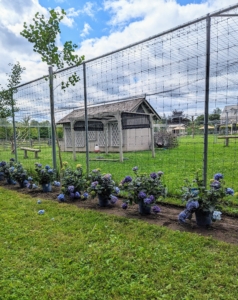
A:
225,230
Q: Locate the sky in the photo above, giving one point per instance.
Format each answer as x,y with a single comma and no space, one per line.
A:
97,27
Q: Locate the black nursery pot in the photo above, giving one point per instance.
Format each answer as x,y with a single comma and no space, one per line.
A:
46,187
22,184
203,218
103,200
10,181
144,209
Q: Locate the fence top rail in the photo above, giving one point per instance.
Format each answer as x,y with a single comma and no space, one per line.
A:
214,14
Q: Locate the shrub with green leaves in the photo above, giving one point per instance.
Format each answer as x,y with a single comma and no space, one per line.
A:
19,174
145,188
44,175
73,182
102,184
6,169
208,198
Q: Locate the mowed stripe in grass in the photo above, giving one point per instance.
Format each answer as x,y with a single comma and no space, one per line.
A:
71,253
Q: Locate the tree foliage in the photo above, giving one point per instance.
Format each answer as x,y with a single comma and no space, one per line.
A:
217,111
7,102
199,120
43,34
215,116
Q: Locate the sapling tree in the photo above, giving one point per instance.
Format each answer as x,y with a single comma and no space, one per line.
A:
43,34
7,101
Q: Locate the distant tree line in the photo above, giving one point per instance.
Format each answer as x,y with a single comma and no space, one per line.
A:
28,129
179,117
215,116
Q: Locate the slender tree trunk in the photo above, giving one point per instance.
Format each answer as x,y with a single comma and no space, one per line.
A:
12,146
58,144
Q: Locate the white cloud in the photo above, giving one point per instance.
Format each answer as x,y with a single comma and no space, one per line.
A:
67,21
19,12
85,30
71,13
129,27
13,47
131,21
88,9
149,20
124,10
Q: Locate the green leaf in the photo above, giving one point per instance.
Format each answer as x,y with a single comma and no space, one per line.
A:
42,33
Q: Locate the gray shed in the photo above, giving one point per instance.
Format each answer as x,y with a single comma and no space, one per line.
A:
125,125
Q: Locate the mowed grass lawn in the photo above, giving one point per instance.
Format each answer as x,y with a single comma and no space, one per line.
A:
177,163
71,253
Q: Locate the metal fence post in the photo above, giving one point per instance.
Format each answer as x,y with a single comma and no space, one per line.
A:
14,128
52,114
152,136
206,107
86,117
38,132
226,122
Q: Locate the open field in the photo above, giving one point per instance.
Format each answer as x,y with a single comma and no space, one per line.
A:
72,253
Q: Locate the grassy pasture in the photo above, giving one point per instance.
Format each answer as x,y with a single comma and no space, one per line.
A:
71,253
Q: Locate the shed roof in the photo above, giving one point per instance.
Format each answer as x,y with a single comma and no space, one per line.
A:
177,126
109,110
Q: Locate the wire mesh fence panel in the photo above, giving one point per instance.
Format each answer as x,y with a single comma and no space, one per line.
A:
161,76
32,127
146,107
222,154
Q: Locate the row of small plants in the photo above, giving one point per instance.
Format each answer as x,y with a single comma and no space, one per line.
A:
144,189
14,172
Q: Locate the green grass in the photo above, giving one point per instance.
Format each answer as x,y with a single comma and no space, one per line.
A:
177,163
71,253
